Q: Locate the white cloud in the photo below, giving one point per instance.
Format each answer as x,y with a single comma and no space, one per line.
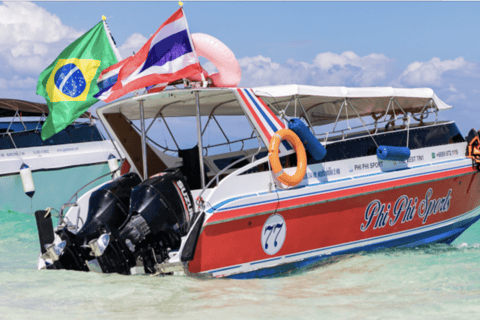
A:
27,48
430,73
452,88
257,71
19,88
132,44
455,98
455,81
208,66
326,69
32,64
31,37
25,21
365,71
18,83
22,83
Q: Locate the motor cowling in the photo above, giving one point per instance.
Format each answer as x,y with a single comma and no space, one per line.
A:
109,206
108,210
161,211
160,204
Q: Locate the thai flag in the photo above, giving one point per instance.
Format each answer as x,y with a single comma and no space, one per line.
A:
107,79
167,56
157,88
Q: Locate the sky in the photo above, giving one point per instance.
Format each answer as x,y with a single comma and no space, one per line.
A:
357,44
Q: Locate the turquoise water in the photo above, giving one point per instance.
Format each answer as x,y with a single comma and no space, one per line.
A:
52,187
436,282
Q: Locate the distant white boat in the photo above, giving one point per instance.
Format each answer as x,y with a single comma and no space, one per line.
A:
52,170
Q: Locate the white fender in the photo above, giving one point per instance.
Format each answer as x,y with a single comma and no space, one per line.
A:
113,165
27,180
229,72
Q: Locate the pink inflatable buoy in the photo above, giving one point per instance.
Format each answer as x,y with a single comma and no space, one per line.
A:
229,72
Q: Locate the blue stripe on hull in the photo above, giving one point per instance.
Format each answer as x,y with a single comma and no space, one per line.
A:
445,234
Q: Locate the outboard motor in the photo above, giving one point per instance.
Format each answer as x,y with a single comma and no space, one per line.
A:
107,210
161,211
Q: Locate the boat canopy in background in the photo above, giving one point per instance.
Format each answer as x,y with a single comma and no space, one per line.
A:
9,107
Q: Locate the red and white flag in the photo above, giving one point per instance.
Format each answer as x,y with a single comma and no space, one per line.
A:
167,56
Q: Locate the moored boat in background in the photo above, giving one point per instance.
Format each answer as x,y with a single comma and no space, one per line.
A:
41,174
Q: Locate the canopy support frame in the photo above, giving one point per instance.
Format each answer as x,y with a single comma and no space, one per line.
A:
144,140
200,140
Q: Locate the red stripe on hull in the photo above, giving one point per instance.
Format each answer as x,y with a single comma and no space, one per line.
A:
335,222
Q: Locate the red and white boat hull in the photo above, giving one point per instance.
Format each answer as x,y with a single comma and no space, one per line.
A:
302,226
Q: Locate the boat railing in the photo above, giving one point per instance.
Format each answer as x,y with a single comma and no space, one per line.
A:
369,129
70,203
242,141
205,148
31,137
216,178
19,115
394,109
240,171
262,164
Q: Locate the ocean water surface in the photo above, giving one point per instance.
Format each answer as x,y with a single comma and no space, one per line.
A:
433,282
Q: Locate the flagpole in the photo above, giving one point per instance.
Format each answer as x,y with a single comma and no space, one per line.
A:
190,37
197,98
110,39
200,140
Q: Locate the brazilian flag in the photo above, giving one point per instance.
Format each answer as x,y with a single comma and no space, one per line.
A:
70,82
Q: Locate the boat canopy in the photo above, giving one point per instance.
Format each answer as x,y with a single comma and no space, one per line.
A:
178,103
322,104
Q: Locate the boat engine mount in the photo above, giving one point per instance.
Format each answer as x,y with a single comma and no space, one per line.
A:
107,210
160,212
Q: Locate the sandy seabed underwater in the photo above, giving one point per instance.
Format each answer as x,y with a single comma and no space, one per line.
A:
432,282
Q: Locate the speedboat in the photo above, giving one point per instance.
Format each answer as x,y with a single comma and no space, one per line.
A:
297,175
41,174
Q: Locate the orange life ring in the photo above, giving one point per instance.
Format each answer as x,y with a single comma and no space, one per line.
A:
290,136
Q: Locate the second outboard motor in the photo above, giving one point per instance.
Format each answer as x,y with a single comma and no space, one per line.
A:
108,210
162,211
